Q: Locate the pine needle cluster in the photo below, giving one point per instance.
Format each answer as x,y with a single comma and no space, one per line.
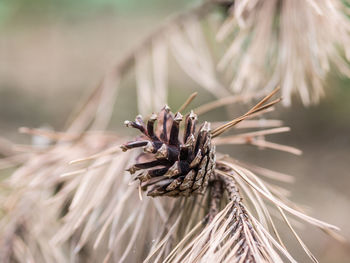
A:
79,196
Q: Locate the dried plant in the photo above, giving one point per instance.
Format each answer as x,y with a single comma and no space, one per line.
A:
59,206
58,213
288,43
197,230
291,43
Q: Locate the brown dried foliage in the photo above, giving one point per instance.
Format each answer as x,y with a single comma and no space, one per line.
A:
61,206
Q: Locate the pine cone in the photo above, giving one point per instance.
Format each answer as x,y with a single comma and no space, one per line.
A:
171,166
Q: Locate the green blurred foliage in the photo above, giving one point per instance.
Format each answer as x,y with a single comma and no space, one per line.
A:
12,9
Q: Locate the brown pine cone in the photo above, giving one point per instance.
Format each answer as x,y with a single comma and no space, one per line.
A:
171,166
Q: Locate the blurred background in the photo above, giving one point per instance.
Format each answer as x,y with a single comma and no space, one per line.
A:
53,52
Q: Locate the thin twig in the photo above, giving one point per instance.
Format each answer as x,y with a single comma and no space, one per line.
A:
188,101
